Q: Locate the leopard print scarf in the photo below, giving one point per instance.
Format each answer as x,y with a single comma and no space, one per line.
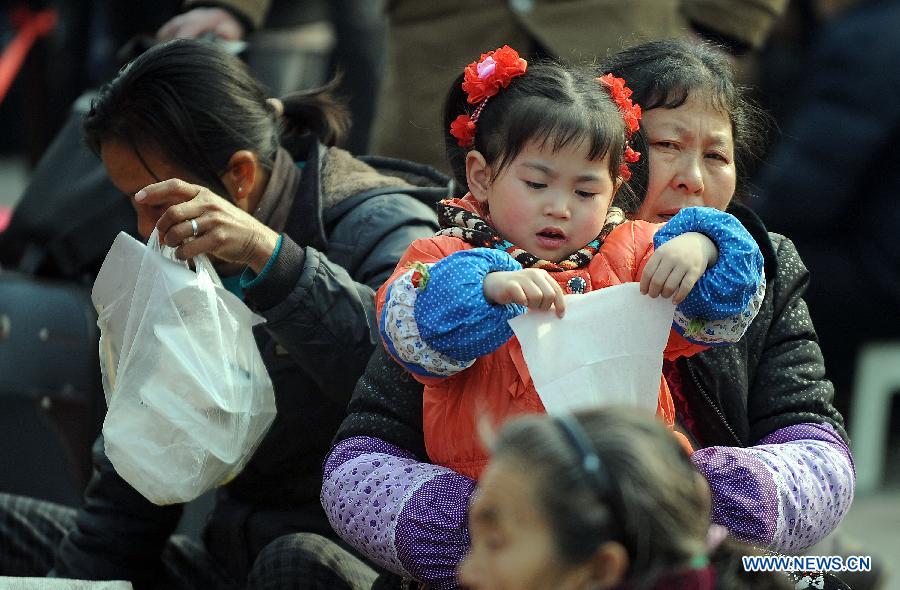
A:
471,228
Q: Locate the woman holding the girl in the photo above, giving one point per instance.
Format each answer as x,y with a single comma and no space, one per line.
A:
548,157
770,444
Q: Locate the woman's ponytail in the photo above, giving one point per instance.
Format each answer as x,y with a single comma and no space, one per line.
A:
317,111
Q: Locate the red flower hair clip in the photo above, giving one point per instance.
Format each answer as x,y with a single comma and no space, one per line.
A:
483,79
630,111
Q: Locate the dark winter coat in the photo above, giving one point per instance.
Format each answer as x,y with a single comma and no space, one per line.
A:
318,300
775,375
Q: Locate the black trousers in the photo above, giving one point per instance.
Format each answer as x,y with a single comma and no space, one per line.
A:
308,561
31,532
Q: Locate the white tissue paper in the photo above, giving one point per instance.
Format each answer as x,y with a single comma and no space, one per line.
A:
606,351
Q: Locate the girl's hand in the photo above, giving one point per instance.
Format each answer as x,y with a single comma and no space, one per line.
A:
531,287
676,266
223,230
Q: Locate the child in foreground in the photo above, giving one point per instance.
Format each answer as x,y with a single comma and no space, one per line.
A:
601,499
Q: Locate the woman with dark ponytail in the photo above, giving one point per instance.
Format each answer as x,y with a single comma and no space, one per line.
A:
304,232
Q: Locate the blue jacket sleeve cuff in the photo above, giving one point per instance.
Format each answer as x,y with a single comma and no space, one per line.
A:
726,289
400,332
249,279
452,313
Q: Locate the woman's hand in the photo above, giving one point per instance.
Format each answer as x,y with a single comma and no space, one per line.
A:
198,21
531,287
677,265
222,229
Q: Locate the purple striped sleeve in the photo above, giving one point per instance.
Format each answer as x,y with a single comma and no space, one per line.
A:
405,515
786,492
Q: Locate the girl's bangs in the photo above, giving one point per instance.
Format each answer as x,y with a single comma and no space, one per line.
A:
558,127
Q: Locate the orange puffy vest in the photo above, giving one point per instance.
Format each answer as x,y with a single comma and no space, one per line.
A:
498,386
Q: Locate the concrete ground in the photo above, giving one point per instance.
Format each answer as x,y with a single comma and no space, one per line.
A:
873,521
874,524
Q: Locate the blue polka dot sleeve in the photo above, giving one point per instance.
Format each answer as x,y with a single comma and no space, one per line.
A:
727,296
401,333
452,313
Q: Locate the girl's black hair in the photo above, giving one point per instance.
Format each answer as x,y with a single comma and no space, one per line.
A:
198,105
654,501
665,74
551,103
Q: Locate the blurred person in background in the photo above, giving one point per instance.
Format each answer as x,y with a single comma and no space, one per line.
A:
428,40
776,66
355,42
833,180
93,38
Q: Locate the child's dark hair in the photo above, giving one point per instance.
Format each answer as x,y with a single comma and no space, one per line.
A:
552,102
665,74
198,105
653,501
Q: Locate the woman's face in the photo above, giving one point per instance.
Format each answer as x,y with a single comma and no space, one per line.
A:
512,542
129,173
691,159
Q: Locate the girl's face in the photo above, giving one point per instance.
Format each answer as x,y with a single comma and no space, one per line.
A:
512,542
691,159
129,173
549,203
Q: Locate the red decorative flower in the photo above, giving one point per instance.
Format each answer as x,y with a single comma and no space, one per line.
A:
620,94
463,129
615,85
632,118
631,113
493,71
631,156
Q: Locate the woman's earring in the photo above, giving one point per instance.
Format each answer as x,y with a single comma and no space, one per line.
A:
240,189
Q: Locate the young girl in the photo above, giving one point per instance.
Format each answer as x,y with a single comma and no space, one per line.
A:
602,499
548,152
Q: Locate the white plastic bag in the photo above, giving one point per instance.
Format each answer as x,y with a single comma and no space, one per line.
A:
188,395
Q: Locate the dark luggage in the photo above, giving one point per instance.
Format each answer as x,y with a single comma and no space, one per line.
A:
51,400
70,212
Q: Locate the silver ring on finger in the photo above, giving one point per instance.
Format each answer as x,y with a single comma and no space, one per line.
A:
194,228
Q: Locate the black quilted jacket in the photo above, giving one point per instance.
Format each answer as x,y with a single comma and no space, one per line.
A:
774,376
